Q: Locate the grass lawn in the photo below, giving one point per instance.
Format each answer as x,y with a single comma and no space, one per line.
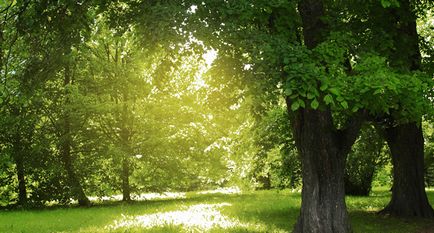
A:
259,211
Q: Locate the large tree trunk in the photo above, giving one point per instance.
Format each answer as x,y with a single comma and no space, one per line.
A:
65,150
323,206
322,148
408,192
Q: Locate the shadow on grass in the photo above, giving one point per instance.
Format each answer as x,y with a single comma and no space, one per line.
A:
265,211
367,221
113,203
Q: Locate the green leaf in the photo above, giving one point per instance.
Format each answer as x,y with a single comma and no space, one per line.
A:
288,91
310,96
334,91
377,91
385,3
344,104
295,106
314,104
301,103
328,99
390,3
324,87
355,109
294,96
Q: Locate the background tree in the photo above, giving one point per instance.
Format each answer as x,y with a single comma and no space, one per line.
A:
276,162
401,128
365,158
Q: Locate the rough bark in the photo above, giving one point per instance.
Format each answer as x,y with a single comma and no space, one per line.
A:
408,191
323,206
65,150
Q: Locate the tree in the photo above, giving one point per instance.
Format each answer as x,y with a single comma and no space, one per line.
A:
386,59
323,151
13,102
406,141
40,47
404,136
363,161
276,160
115,62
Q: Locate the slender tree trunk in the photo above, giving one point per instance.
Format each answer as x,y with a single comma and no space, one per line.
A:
406,141
65,150
125,141
18,157
126,191
74,183
22,191
1,46
19,162
264,181
408,191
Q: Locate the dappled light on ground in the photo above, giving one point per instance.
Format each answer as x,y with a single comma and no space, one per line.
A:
228,190
200,217
143,196
166,195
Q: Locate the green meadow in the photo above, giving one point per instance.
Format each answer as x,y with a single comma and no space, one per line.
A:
255,211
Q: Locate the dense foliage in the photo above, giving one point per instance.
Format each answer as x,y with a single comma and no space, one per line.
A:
99,98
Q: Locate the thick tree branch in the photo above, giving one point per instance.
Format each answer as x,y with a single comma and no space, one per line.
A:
348,135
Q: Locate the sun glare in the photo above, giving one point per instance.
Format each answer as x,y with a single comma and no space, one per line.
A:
210,56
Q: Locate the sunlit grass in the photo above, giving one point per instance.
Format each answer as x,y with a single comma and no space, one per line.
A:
199,217
142,197
229,190
261,211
